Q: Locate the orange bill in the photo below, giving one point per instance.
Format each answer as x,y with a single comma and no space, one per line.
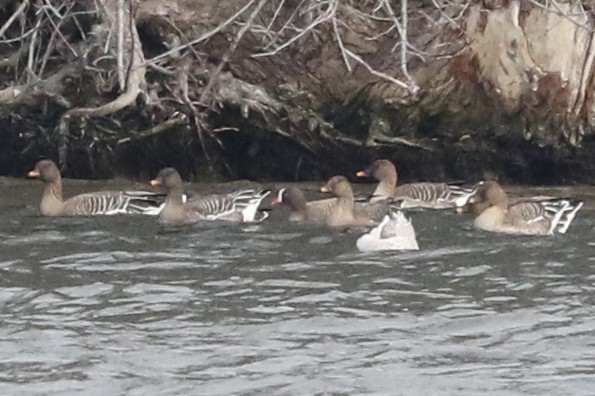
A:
361,174
33,173
154,182
324,189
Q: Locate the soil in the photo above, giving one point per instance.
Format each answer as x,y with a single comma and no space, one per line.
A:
299,92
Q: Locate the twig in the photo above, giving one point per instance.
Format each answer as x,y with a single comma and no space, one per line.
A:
179,119
14,16
340,43
322,18
226,57
55,33
204,37
340,138
120,54
586,75
375,72
59,33
561,14
448,17
397,140
194,115
280,31
182,35
402,29
274,18
32,45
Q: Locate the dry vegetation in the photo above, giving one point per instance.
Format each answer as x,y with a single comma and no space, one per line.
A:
98,74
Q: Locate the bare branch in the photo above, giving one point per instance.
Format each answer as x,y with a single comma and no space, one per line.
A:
14,16
375,72
120,53
134,83
57,28
340,43
32,45
330,12
402,29
176,120
231,50
285,25
202,38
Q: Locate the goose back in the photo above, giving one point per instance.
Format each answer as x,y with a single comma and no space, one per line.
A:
238,206
430,195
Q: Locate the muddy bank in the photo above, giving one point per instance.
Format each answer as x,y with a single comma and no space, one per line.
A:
258,90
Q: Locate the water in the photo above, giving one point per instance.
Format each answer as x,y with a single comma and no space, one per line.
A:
117,306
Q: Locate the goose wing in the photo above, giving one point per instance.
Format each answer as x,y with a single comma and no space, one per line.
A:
240,205
552,214
114,202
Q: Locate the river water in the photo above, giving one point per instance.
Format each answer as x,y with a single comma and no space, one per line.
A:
118,306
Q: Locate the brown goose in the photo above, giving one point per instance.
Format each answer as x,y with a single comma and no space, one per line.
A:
318,211
93,203
239,206
343,212
300,209
413,195
529,217
476,203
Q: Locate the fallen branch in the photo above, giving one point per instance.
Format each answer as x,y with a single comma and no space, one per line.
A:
178,119
31,94
386,140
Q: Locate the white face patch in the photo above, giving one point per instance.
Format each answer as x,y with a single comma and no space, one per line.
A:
462,201
280,195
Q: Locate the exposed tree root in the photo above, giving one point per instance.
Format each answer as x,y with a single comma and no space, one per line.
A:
34,93
110,72
131,76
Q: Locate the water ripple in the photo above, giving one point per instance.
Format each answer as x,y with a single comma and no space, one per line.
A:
121,306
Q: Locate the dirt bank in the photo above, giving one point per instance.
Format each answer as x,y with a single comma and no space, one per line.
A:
299,90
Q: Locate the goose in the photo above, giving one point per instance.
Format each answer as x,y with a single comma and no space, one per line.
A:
240,206
106,202
343,212
413,195
524,217
317,211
